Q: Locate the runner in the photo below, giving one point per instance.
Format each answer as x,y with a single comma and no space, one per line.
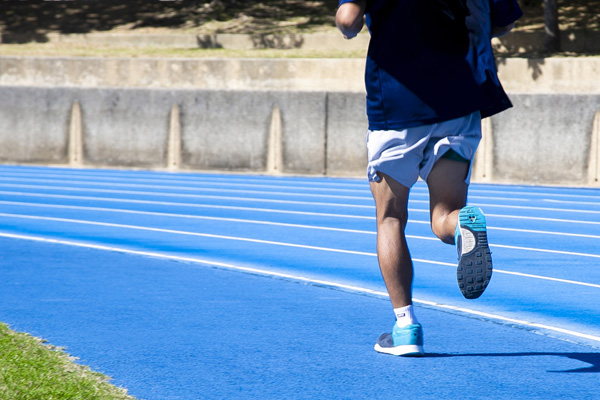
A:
430,78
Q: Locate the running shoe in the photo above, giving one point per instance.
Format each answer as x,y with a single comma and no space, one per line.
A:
407,341
474,257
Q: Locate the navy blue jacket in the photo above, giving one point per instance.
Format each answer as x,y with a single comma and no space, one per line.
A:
431,60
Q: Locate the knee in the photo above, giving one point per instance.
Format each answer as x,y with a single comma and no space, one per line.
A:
392,214
443,229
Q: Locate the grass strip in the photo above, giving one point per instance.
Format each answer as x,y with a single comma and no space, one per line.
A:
30,369
62,50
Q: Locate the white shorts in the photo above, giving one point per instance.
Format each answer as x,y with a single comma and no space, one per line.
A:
407,154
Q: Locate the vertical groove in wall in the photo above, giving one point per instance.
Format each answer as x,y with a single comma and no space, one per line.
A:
325,133
487,130
174,145
483,167
594,158
75,136
274,150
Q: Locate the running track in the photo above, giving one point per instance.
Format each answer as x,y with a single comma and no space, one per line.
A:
199,286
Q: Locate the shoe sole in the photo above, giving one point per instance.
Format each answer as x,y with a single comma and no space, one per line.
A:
474,267
404,351
385,344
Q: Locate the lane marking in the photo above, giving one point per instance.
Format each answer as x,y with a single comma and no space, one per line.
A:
478,189
364,188
193,216
229,190
268,210
219,178
294,245
562,210
570,253
191,196
183,188
510,320
191,177
191,205
204,189
581,235
186,233
189,216
323,204
332,284
587,203
567,221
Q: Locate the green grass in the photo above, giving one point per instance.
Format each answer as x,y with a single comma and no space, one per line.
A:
33,370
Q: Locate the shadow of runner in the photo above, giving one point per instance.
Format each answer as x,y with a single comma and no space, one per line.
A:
589,358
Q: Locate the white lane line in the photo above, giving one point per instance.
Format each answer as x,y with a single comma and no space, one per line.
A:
562,210
510,320
568,253
277,192
186,188
587,203
188,216
547,278
220,179
509,190
248,199
267,210
189,187
565,221
186,233
208,178
189,196
299,278
268,242
581,235
190,205
250,221
364,188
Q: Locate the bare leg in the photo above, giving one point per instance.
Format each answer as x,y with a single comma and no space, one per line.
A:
447,195
391,201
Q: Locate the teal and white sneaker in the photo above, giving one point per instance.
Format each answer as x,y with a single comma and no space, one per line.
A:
407,341
474,257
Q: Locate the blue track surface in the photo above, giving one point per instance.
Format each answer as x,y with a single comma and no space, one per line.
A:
197,286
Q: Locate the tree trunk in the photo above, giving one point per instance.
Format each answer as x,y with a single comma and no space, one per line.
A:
552,39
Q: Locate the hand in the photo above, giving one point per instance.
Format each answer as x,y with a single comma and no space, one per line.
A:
350,18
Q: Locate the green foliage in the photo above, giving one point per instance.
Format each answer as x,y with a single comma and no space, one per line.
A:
32,370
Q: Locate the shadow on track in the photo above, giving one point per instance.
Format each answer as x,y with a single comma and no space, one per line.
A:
589,358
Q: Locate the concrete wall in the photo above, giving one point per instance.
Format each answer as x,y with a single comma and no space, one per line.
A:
531,75
296,116
581,41
544,139
124,127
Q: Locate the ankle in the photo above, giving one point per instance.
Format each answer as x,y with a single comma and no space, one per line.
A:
405,316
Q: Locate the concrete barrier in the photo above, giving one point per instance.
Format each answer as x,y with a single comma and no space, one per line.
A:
216,74
523,75
229,130
34,125
544,139
519,41
296,116
125,127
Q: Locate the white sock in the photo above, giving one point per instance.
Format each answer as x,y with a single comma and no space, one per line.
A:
405,316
